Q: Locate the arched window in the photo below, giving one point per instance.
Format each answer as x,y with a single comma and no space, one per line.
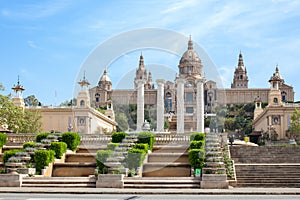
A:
275,101
168,102
82,103
283,96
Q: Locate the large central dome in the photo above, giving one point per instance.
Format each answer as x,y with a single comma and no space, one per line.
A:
190,62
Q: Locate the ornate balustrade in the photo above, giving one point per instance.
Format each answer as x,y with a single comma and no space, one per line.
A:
95,138
169,138
19,139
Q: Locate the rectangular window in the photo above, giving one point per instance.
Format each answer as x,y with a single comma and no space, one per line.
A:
189,97
189,110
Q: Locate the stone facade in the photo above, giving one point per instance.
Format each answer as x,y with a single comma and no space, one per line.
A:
190,69
81,118
275,119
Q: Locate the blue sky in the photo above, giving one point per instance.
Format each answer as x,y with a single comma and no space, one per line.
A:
47,42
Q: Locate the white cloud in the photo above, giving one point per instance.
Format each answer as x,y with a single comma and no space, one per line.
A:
33,45
177,6
36,10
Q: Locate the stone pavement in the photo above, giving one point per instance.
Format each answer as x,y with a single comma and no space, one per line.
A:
237,191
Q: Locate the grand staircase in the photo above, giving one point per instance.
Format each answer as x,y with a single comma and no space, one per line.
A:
79,164
167,167
67,182
267,166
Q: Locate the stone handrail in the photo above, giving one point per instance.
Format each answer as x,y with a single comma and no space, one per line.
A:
95,138
14,138
17,138
292,104
168,138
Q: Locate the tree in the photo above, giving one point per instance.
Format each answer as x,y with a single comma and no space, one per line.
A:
122,121
16,119
32,101
69,103
295,125
1,87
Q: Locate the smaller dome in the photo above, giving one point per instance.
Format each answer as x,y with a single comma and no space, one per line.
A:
105,77
276,76
190,55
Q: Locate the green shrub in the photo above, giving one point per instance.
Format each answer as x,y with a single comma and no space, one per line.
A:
196,144
59,148
28,144
141,146
71,139
146,137
41,136
117,137
3,139
10,153
101,158
197,136
196,157
135,158
42,158
111,146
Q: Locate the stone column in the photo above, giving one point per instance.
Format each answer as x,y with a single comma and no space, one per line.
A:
160,105
140,105
200,105
180,105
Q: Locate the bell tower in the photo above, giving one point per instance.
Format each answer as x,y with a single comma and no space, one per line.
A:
240,79
83,98
141,72
275,94
258,108
18,99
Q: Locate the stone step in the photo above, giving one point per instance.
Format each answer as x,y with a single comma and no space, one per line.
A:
170,149
166,169
73,169
81,157
264,159
168,157
175,185
268,180
162,182
59,182
7,148
90,149
269,185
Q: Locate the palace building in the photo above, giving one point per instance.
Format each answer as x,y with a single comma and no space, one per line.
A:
190,71
81,118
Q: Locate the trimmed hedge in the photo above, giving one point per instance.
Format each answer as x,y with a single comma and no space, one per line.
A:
43,158
135,158
117,137
28,144
59,148
196,157
41,136
10,153
146,137
196,144
141,146
111,146
101,157
3,139
197,136
71,139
